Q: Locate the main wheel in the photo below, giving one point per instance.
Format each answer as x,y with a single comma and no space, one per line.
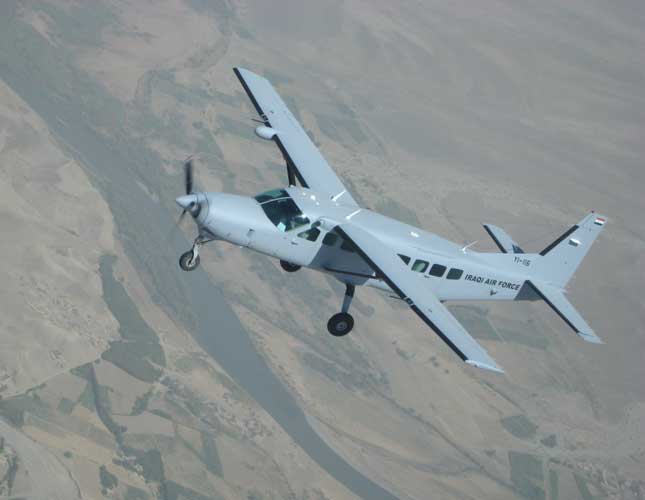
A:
340,324
288,266
186,261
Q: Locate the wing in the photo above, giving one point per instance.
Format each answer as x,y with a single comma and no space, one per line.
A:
294,143
422,300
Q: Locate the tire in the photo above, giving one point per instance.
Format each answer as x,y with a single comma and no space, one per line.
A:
289,267
184,261
340,324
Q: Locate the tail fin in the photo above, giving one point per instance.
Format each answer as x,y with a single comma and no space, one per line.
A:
562,257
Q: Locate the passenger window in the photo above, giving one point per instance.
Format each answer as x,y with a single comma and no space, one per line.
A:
330,239
437,270
420,266
454,274
311,234
405,259
346,245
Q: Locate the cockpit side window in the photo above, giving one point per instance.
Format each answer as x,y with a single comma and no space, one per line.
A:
284,214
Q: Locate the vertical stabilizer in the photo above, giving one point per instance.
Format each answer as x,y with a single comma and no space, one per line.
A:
562,257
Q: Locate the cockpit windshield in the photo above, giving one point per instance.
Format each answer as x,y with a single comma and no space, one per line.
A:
281,210
274,194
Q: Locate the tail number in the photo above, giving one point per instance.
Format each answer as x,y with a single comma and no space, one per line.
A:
522,261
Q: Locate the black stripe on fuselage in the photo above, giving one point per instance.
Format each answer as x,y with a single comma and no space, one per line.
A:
400,293
558,241
552,306
276,139
499,245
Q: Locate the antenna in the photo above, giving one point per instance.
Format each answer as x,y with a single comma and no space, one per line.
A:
468,246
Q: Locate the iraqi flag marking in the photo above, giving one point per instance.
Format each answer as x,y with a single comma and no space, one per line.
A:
599,221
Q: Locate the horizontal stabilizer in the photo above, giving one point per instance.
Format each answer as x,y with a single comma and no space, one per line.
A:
502,239
555,298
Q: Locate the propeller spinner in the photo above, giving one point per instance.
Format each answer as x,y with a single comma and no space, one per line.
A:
189,202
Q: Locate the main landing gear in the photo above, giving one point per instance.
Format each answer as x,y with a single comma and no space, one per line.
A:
289,267
341,324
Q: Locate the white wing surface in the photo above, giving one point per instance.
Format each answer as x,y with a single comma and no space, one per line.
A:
422,300
300,153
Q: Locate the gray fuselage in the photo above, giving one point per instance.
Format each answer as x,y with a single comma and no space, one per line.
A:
244,221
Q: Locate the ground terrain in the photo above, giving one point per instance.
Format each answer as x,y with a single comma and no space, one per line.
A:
122,377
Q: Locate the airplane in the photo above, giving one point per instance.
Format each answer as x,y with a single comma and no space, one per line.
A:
315,222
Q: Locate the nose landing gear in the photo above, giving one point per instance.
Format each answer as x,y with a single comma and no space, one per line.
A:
341,324
190,260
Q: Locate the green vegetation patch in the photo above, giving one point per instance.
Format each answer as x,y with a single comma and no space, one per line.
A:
131,357
550,441
141,403
520,426
66,406
527,475
139,351
149,460
210,457
86,399
108,480
13,409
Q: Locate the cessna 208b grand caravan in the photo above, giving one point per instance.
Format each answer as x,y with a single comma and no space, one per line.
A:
317,224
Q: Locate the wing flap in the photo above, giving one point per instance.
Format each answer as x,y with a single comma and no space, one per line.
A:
311,168
422,301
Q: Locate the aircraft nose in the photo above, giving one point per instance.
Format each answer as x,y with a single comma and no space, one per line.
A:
186,201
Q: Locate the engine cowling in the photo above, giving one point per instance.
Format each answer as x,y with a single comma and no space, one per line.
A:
264,132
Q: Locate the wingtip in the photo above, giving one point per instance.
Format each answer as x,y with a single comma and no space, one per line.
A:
485,366
591,337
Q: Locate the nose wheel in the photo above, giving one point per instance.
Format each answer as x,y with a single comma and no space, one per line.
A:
341,324
189,261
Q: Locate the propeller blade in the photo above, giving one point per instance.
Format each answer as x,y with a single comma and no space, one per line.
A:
188,175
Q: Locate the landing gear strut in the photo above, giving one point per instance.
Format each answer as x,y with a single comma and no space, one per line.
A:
341,324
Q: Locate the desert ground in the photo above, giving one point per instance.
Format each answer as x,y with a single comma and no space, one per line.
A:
123,377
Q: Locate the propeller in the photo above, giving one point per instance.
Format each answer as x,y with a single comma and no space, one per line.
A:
193,208
188,175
